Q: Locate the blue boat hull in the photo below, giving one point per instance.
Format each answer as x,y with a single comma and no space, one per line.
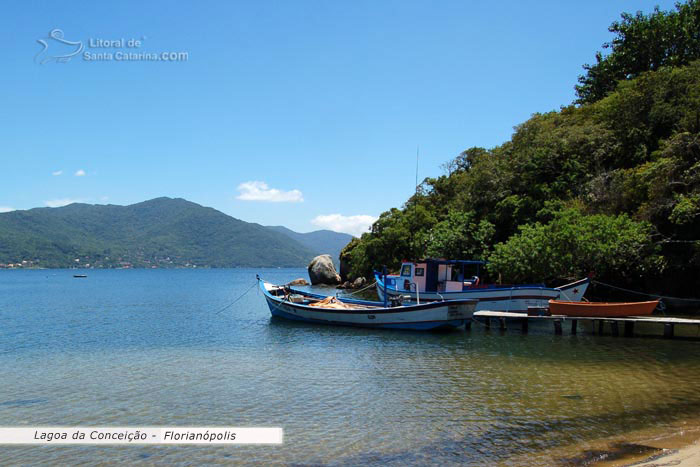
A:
424,326
424,317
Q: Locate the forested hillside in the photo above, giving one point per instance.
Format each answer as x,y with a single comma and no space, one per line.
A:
161,232
608,185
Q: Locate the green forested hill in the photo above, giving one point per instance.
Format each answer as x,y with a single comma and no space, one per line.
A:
161,232
609,185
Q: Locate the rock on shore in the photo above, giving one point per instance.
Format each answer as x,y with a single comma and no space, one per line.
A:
356,284
322,271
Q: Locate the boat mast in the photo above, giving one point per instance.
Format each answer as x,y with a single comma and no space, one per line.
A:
417,151
415,201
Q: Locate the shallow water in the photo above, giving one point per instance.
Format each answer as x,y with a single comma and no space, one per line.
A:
153,347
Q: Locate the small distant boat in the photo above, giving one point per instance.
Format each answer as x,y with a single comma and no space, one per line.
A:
602,309
298,305
79,275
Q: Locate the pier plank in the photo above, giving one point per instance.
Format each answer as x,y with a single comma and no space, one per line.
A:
635,319
669,323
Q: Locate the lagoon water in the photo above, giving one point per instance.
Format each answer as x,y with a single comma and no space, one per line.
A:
152,347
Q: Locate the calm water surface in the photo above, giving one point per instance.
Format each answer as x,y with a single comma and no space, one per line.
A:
151,347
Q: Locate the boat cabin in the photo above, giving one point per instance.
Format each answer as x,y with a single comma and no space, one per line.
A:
437,275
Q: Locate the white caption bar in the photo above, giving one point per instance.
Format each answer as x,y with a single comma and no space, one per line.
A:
140,435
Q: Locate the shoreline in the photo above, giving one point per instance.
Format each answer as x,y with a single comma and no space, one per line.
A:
688,456
684,455
674,446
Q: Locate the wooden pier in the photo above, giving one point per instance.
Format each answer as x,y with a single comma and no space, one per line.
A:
487,318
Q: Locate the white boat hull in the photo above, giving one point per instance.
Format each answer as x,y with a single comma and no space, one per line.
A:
515,299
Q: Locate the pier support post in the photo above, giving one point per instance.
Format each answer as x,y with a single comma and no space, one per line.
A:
629,328
614,328
487,323
668,330
502,324
601,323
557,326
468,325
574,323
523,325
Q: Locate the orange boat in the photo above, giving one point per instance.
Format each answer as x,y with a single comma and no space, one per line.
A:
602,309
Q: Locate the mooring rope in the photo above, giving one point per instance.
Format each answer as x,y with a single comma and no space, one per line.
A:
362,289
647,294
239,297
474,320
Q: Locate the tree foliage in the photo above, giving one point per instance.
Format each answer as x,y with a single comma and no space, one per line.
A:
460,235
574,244
610,187
643,43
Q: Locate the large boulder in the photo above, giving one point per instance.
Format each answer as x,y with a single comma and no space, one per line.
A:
322,271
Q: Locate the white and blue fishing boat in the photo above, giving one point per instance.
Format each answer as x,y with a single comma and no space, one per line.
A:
299,305
439,279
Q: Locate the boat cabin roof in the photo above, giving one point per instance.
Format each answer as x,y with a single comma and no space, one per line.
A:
448,261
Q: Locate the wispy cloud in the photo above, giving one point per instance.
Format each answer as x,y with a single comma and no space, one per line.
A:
353,225
6,209
259,191
80,173
57,203
57,173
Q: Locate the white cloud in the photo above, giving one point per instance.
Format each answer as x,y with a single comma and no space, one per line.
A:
57,203
57,173
6,209
353,225
80,173
259,191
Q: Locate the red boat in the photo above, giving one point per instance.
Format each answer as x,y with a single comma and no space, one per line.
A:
602,309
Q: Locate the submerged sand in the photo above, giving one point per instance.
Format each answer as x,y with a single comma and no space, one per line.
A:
680,447
684,457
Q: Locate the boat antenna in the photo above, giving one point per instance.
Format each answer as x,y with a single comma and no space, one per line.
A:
415,201
417,151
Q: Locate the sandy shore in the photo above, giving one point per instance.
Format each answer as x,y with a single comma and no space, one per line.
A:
677,444
683,457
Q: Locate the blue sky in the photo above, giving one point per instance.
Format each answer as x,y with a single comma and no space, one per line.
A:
304,114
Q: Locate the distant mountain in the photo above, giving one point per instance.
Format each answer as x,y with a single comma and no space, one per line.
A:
319,241
162,232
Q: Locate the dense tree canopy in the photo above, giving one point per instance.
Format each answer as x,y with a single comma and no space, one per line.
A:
611,186
574,244
643,43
